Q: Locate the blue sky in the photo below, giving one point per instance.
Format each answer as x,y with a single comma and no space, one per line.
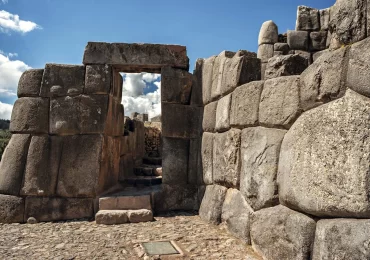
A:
58,30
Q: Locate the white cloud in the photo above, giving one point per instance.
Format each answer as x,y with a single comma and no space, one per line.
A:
11,22
5,110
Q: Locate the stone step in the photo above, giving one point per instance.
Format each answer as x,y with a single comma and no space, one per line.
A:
133,202
116,217
148,170
152,160
144,180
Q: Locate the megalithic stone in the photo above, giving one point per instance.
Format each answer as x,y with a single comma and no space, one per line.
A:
268,33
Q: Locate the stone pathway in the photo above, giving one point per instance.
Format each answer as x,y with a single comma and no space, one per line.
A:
87,240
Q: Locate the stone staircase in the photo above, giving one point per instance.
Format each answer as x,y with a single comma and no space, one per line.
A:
147,174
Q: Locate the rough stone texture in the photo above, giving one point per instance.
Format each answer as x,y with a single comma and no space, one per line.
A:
281,233
236,213
140,215
268,33
30,115
180,121
176,86
260,148
207,158
342,239
279,104
226,158
54,209
318,40
283,47
175,197
12,164
298,40
359,67
93,111
218,72
265,52
197,89
111,217
175,160
324,160
12,209
62,80
305,54
317,55
347,22
308,19
41,171
125,202
324,80
207,79
245,104
263,70
115,118
223,114
126,168
98,79
209,117
285,65
195,167
324,19
30,83
64,115
136,57
211,207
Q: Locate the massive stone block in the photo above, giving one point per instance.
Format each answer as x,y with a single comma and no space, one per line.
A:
281,233
298,40
196,98
12,164
211,206
54,209
180,121
324,80
342,239
324,160
136,57
29,84
260,148
12,209
30,115
324,19
176,86
98,79
207,79
226,158
268,33
93,112
207,158
209,117
285,65
64,115
218,72
279,104
175,160
318,40
223,114
115,118
109,164
41,171
126,167
308,19
282,47
265,52
175,197
62,80
237,213
245,103
195,168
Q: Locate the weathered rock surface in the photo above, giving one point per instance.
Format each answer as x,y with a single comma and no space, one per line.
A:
207,158
281,233
285,65
236,213
283,47
93,112
140,215
12,164
195,167
111,217
207,79
324,80
318,40
176,86
218,72
279,104
268,33
12,209
265,52
196,98
98,79
245,104
30,115
176,197
342,239
209,117
308,19
226,158
125,203
64,115
223,114
324,19
298,40
29,84
260,148
324,160
211,207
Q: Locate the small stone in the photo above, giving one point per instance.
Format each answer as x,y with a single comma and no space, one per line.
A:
31,220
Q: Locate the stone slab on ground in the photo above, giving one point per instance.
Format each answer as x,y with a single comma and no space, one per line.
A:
125,202
140,215
211,207
111,217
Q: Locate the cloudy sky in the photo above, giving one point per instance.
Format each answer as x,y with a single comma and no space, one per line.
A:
35,32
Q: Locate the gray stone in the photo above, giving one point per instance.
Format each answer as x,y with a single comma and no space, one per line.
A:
12,164
298,40
175,197
98,79
283,47
277,53
30,83
93,114
140,215
114,125
62,80
237,213
268,33
31,220
207,158
197,89
324,80
260,148
12,209
245,104
125,202
306,55
308,19
209,117
318,54
265,52
318,40
211,206
285,65
126,168
64,115
226,158
195,168
111,217
281,233
263,70
279,106
117,85
54,209
342,239
218,72
176,86
324,19
223,114
30,115
324,160
207,79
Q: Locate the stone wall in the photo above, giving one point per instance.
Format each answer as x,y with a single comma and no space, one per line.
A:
286,160
153,139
